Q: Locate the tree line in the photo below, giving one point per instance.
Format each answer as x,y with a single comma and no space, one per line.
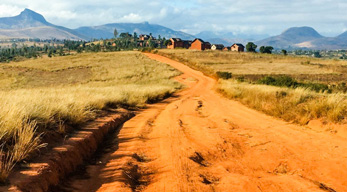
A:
251,47
123,41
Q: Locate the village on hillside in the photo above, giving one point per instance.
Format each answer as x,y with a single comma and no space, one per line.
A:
199,44
174,43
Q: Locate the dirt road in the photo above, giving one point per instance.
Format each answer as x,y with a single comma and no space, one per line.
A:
201,141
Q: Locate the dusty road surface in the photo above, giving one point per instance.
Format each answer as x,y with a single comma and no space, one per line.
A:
200,141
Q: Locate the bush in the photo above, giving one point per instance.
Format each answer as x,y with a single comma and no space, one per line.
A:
318,87
241,79
224,75
147,49
287,81
282,81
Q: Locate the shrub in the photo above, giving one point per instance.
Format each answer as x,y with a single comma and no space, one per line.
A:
147,49
287,81
282,81
224,75
318,87
241,79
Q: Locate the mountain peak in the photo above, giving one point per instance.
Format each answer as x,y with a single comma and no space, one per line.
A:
292,37
302,32
343,35
28,14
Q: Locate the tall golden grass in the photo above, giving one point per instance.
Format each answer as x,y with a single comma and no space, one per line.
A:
297,105
72,90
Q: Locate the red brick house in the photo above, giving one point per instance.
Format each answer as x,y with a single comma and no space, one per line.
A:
175,43
187,44
226,48
199,44
238,47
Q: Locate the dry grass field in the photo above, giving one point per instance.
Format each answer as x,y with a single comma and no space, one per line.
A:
256,65
298,105
50,93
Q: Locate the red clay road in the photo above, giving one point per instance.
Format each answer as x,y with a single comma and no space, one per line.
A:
201,141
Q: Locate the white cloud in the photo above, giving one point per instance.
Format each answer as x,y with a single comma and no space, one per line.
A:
9,10
132,17
238,16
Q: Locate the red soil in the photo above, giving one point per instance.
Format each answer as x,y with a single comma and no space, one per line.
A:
201,141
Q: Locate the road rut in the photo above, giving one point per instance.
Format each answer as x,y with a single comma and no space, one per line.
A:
201,141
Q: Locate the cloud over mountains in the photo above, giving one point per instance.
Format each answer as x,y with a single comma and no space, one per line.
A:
238,16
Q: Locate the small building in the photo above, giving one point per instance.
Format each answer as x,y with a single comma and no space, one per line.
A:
187,44
226,48
217,47
175,43
140,43
207,45
199,44
143,37
238,47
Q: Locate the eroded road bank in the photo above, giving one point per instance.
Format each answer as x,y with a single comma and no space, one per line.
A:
201,141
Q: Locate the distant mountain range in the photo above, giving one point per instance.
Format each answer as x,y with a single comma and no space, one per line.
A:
228,38
29,24
106,31
304,37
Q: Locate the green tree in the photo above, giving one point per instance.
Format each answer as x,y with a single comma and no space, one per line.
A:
262,49
50,53
250,47
115,33
61,51
284,52
125,35
317,54
266,49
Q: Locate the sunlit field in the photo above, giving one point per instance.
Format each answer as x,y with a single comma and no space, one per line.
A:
50,93
256,65
294,104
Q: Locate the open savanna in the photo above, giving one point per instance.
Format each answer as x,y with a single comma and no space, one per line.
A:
295,104
255,65
51,93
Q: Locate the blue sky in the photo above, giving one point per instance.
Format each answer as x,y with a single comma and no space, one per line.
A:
329,17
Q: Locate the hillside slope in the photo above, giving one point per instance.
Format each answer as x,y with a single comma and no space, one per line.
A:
291,37
29,24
